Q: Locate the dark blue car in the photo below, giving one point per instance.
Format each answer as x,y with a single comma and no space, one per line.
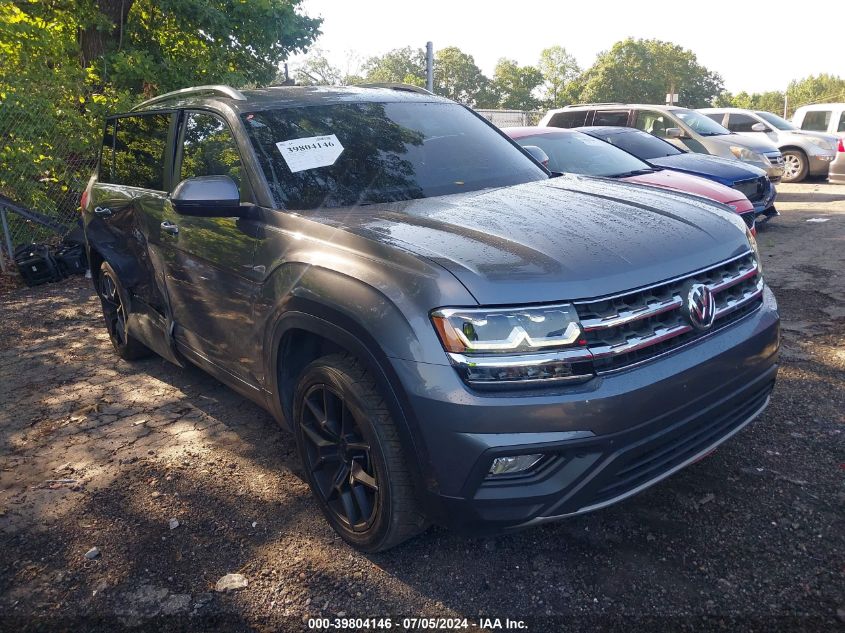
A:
662,155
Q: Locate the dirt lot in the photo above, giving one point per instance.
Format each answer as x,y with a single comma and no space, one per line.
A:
96,452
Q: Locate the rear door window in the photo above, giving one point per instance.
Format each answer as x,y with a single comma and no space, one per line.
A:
139,151
618,118
841,126
738,122
568,119
816,120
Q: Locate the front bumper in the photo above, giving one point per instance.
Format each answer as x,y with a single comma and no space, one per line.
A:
819,165
603,441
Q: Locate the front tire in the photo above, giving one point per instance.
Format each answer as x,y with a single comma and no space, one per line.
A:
795,165
353,459
115,302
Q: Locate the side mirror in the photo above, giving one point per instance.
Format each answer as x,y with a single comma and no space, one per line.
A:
537,154
759,127
674,132
207,196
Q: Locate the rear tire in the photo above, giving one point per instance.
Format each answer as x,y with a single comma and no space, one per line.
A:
353,459
795,165
115,302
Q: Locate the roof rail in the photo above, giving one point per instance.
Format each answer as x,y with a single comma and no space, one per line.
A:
578,105
396,86
220,91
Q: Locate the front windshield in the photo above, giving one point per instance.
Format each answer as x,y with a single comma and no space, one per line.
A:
641,144
360,153
700,123
577,153
775,120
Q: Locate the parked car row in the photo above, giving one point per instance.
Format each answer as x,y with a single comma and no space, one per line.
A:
451,332
688,130
812,145
804,152
579,152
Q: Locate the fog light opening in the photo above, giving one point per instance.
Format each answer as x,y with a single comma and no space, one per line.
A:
513,464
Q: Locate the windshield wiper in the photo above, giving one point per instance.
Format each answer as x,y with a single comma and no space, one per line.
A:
636,172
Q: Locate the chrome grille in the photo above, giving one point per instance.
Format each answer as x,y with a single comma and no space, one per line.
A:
775,158
636,326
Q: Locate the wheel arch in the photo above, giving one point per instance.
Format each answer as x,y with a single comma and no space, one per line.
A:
308,330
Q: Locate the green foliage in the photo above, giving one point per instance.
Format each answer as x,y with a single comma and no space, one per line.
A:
401,65
771,101
457,77
514,85
65,64
560,71
815,89
645,71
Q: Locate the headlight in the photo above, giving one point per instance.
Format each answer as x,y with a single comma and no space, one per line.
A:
509,330
752,241
514,345
745,154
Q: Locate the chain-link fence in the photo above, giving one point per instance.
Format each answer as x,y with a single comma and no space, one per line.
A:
44,167
512,118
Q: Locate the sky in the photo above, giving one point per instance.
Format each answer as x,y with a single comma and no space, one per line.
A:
755,46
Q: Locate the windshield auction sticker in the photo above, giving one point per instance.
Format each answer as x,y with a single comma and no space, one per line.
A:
309,153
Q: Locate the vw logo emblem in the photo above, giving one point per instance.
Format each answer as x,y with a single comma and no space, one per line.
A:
700,306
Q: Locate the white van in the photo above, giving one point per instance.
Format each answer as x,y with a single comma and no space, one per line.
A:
826,117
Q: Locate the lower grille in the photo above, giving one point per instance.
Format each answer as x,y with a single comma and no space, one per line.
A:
755,189
674,447
634,327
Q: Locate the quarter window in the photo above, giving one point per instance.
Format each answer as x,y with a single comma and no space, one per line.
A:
568,119
209,149
841,126
139,151
618,118
816,120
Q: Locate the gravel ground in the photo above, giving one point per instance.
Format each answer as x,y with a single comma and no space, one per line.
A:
100,453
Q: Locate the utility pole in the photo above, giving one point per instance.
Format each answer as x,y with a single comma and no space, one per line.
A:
429,66
785,103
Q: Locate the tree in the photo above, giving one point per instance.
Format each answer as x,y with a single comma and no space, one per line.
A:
401,65
514,85
559,70
646,70
771,101
457,77
65,64
316,70
815,89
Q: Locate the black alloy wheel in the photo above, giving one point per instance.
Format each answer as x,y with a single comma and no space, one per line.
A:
113,299
339,458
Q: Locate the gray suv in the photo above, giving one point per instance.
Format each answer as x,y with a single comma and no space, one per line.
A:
452,334
805,153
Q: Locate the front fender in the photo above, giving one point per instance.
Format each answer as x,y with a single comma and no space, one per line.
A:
328,323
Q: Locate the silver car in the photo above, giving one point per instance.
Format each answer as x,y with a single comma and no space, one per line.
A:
805,153
684,128
830,118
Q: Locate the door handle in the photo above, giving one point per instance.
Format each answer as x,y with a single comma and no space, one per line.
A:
168,227
102,211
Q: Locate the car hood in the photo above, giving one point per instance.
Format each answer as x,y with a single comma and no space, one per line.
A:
565,238
759,144
687,183
725,170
